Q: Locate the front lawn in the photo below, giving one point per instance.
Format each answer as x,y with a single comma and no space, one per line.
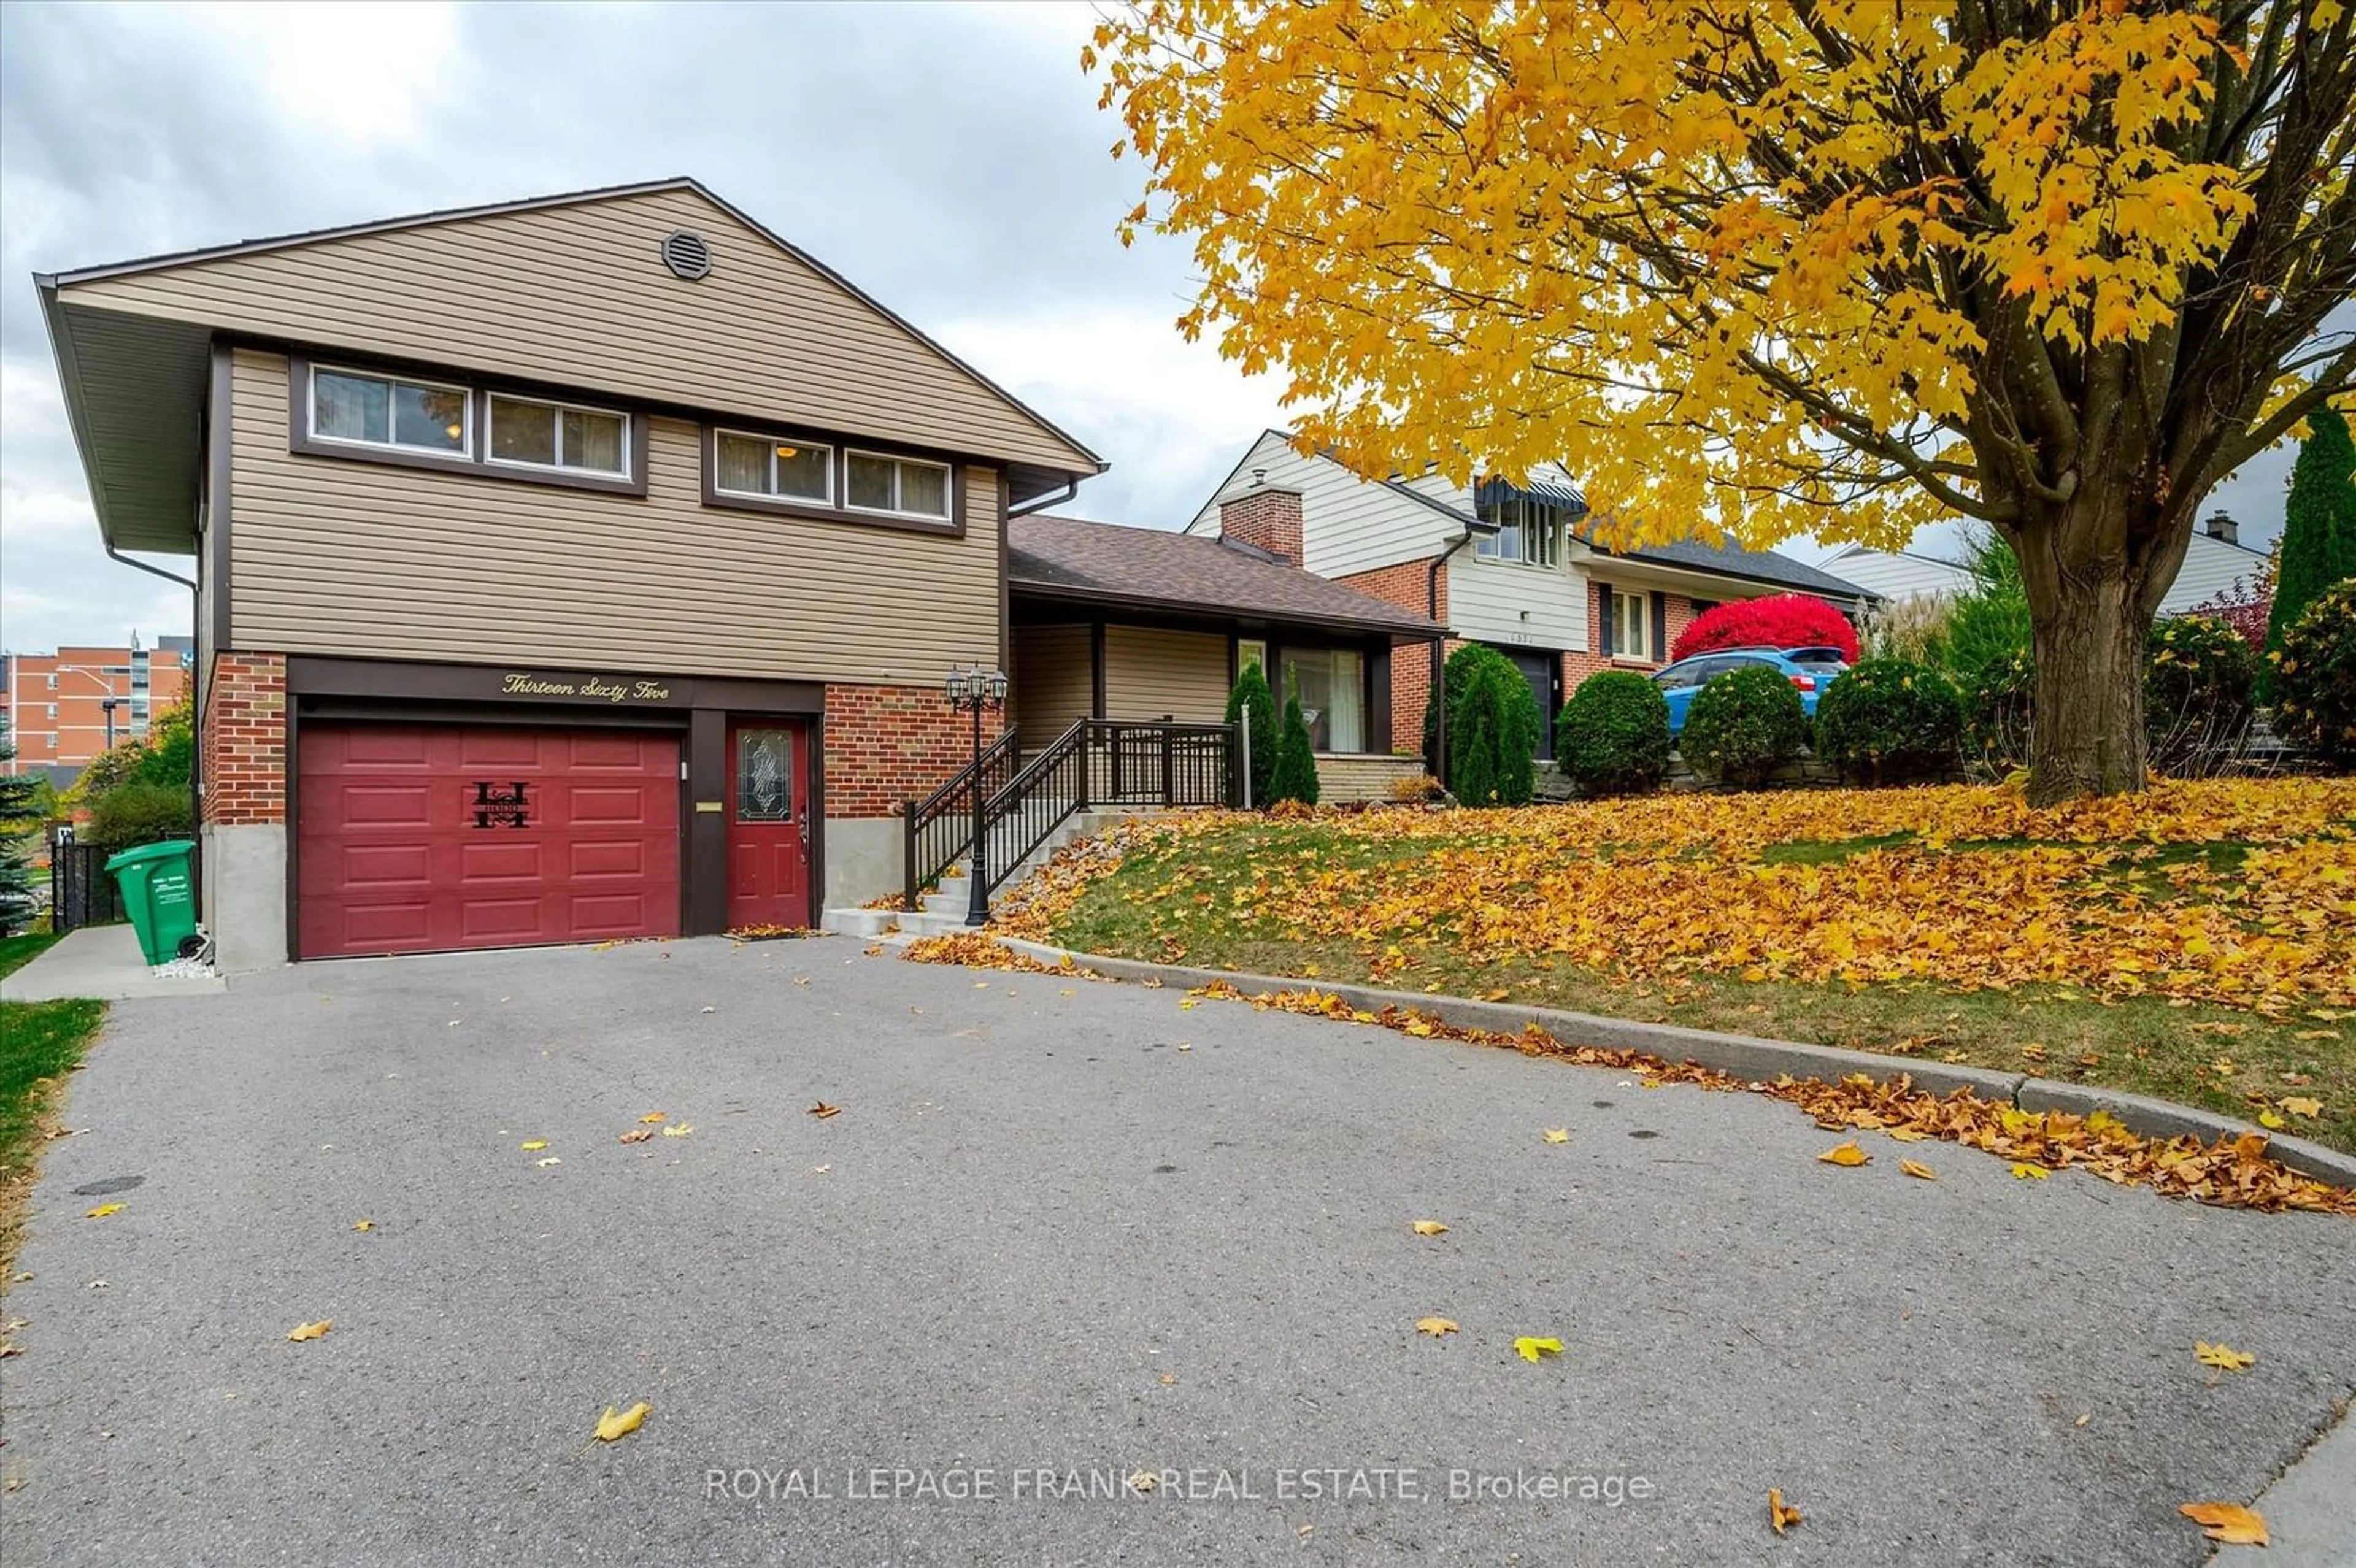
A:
2197,942
40,1042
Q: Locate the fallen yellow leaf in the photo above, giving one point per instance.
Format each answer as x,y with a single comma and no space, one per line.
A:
2022,1170
651,1117
1913,1167
1529,1347
616,1424
1558,1134
1907,1134
678,1130
363,1224
1170,1380
822,1110
1435,1327
2229,1522
2231,1360
1846,1154
1779,1516
303,1331
2300,1105
1429,1228
102,1211
534,1146
2271,1121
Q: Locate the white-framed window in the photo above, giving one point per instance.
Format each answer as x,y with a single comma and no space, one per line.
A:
1529,532
772,468
1631,624
53,710
531,433
904,486
1250,651
390,411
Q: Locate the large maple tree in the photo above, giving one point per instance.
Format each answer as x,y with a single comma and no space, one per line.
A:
1776,266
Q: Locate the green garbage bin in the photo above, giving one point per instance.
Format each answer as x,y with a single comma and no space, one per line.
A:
156,895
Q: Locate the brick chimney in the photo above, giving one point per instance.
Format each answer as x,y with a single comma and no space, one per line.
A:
2221,525
1266,516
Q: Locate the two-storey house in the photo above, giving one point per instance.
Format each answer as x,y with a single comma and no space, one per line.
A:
1511,566
570,569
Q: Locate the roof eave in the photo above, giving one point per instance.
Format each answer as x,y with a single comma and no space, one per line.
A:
70,382
1072,593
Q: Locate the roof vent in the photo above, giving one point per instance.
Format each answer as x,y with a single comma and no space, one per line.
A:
686,254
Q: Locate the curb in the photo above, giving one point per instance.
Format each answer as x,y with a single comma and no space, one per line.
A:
2310,1508
1750,1057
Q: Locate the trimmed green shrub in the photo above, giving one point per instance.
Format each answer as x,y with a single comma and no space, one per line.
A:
1296,764
1744,726
138,813
2319,539
2198,693
1613,736
1493,729
1886,721
1251,695
2315,678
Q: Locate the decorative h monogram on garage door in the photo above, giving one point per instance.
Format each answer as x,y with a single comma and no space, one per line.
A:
493,809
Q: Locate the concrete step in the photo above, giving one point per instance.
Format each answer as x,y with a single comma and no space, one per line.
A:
926,923
858,921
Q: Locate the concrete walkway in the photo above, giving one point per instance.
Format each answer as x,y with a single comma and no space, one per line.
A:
104,963
1062,1233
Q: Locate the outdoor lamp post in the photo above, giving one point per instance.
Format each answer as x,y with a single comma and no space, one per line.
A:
976,690
107,706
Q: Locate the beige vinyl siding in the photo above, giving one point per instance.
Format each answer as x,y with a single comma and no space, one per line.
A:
1053,681
577,295
331,556
1149,673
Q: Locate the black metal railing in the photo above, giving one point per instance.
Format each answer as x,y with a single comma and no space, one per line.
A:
1096,761
80,892
938,829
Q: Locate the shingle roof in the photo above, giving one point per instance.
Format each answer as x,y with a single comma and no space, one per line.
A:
1071,558
1755,565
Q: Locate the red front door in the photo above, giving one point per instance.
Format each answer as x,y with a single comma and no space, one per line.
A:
414,837
768,824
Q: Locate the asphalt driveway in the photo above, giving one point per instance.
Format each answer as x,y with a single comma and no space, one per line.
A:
1060,1233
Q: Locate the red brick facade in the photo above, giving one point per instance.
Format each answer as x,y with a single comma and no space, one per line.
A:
887,743
1576,666
1267,515
243,739
1408,586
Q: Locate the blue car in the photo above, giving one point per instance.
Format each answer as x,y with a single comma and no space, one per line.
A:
1810,669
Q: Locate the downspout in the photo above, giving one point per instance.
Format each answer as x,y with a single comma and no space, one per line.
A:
196,713
1440,658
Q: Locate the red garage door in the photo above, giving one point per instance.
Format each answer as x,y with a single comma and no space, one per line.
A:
415,838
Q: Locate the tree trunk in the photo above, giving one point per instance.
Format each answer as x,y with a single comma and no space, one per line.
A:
2088,734
2090,609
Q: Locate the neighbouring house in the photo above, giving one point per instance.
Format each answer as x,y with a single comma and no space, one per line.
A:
582,567
2215,560
1512,566
63,708
1128,623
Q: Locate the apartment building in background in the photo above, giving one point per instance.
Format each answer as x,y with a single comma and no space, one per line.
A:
63,708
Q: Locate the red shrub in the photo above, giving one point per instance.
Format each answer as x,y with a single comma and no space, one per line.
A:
1783,621
2245,606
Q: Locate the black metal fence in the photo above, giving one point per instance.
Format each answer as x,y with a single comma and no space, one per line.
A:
80,892
938,829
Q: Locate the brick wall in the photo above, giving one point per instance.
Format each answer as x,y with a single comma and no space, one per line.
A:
1268,516
1408,586
244,740
885,744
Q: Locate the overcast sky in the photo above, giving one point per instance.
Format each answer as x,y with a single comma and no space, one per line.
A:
950,160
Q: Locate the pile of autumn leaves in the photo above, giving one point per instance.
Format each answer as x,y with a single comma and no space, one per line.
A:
1984,891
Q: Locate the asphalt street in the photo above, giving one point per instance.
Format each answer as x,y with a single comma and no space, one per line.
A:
1061,1234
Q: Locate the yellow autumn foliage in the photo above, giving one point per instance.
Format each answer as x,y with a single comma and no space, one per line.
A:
2115,897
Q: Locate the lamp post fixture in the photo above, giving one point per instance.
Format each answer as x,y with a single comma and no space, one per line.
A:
976,690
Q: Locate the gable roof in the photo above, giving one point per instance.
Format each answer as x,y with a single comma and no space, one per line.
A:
131,336
1729,560
1110,563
